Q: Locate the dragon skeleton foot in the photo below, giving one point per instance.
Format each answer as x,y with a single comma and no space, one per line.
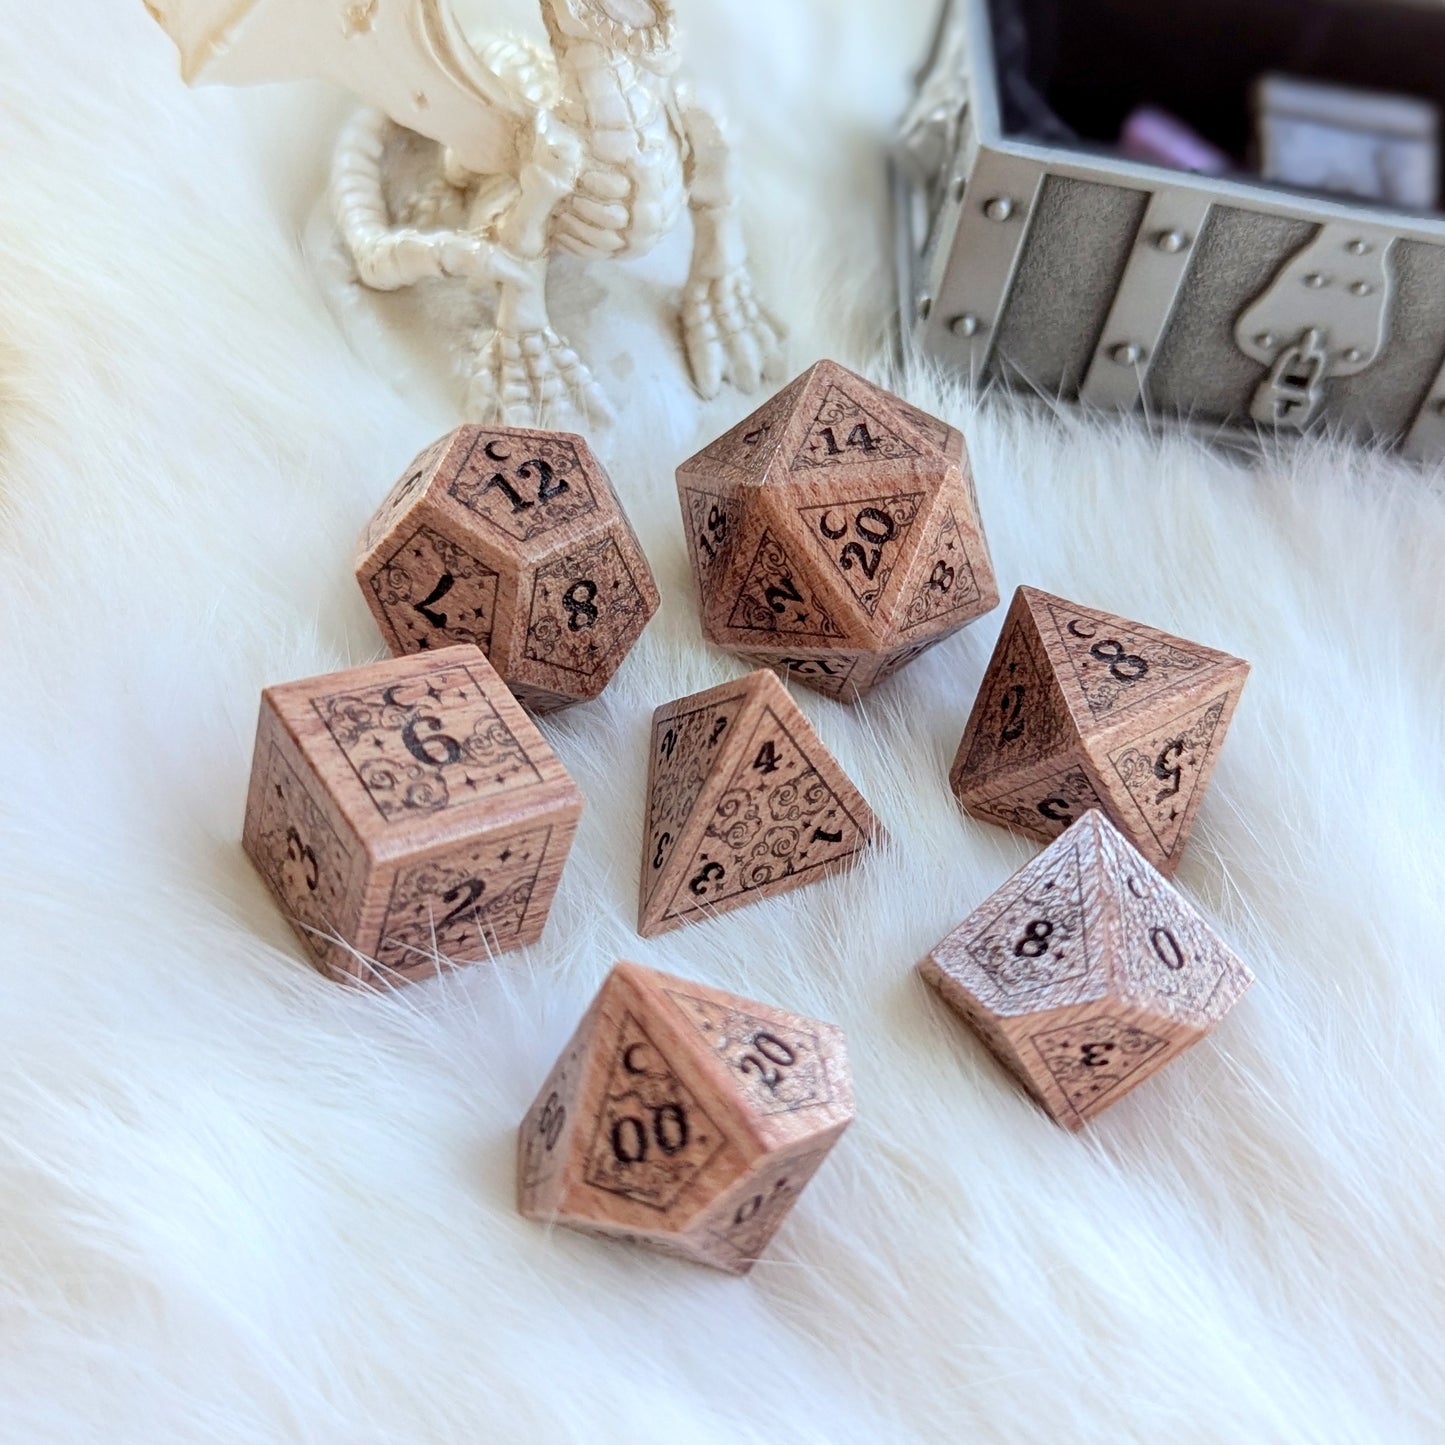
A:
728,335
523,378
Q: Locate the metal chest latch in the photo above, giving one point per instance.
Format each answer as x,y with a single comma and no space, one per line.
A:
1326,314
1292,393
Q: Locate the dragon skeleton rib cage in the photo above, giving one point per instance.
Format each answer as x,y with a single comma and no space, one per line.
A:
592,149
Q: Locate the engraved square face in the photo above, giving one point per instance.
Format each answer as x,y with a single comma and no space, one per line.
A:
426,744
306,862
466,905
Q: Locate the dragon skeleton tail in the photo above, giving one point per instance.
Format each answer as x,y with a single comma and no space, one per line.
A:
389,256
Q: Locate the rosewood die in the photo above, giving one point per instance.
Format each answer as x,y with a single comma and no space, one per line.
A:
684,1119
514,541
1082,709
408,813
1086,972
835,534
743,801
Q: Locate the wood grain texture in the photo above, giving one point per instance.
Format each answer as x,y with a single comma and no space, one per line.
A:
514,541
1082,709
1086,972
835,534
743,801
407,815
684,1119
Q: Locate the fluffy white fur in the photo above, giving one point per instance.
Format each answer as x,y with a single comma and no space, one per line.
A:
241,1204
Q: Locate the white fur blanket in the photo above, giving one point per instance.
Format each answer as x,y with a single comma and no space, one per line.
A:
241,1204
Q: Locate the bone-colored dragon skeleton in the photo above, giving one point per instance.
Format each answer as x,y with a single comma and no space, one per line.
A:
593,149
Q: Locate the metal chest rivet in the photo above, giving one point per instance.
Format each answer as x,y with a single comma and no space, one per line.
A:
966,325
1352,353
1314,281
1128,353
1361,288
1171,241
1265,341
1357,248
1000,208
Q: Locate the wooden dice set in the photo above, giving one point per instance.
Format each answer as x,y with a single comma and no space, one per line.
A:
409,816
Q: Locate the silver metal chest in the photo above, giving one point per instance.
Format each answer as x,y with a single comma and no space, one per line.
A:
1230,301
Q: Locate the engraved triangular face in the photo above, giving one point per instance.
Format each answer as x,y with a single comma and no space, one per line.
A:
1114,664
685,749
845,431
778,1066
864,540
831,674
776,597
1036,938
749,446
1163,771
652,1137
1018,717
946,582
710,521
1167,953
1092,1058
933,430
778,818
1043,808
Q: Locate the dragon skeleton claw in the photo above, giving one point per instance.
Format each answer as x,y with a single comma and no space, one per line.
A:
589,147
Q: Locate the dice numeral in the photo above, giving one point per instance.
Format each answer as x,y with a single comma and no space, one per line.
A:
1123,666
1167,947
549,484
631,1138
1011,705
771,1055
1168,769
299,851
445,583
469,894
1035,942
580,603
423,749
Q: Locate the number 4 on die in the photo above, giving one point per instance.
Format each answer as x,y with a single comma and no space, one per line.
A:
743,801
